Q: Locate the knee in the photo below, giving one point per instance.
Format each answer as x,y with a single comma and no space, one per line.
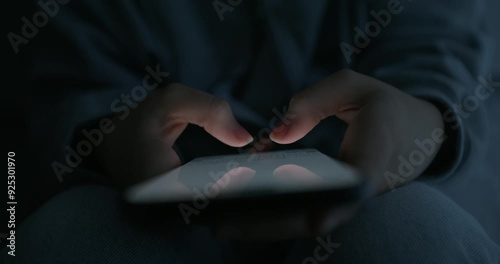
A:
79,224
413,224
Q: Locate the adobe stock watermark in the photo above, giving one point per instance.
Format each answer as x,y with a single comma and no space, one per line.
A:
262,138
222,7
201,198
471,103
122,107
372,29
40,19
221,179
323,251
426,148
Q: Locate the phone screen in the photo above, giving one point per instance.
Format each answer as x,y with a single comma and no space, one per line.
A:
247,175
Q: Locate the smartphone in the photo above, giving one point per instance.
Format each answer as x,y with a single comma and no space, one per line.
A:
281,180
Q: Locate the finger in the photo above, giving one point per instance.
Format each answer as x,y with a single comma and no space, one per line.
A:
340,93
180,105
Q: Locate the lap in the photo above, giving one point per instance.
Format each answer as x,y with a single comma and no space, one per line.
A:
414,223
85,225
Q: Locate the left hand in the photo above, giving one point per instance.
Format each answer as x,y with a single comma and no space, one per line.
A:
383,124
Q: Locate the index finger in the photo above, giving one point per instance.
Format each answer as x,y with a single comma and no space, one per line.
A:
180,104
337,94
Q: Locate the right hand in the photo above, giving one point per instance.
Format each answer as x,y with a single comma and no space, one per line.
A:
141,145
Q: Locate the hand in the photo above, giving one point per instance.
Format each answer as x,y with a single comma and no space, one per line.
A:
141,145
383,123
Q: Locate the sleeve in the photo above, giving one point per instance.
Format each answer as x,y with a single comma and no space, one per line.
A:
439,51
89,56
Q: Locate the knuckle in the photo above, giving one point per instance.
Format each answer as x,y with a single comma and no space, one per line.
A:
218,107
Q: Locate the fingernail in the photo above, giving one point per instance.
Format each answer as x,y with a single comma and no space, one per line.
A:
242,134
